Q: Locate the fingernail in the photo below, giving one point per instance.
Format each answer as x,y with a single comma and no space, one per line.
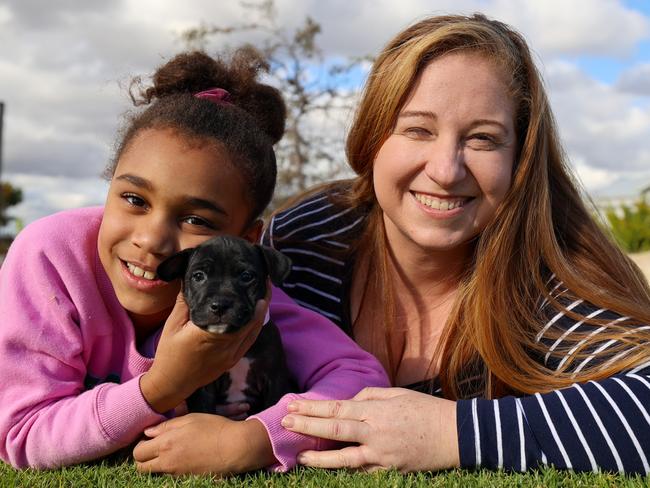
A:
292,407
149,432
302,459
287,421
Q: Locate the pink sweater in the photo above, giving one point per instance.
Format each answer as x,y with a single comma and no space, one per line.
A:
70,369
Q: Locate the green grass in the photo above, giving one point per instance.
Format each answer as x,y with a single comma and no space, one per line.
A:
106,475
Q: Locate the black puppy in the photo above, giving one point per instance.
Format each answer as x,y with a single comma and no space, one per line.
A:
223,278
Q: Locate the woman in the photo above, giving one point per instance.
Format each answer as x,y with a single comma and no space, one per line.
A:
463,257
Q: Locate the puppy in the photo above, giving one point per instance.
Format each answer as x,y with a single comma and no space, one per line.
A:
223,278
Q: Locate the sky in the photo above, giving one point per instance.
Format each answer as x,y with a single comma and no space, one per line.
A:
65,66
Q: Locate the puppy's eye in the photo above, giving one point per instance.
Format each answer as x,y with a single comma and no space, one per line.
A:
198,276
246,276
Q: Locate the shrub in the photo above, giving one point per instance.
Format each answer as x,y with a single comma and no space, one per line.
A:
631,225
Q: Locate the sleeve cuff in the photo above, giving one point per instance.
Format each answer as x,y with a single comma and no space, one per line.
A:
467,446
122,411
494,434
286,444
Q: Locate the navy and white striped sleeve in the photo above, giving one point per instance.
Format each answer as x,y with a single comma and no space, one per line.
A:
595,426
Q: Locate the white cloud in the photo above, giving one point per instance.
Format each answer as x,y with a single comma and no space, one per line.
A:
555,27
56,122
576,27
43,195
5,15
33,14
604,131
635,80
593,179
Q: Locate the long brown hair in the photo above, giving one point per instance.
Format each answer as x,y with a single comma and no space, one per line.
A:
541,229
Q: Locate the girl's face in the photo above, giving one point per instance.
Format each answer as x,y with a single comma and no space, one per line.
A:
447,165
169,192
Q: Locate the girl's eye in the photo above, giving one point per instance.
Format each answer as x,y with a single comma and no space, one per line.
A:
198,221
134,200
247,277
198,276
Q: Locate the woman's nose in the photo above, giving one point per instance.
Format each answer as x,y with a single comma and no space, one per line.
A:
155,235
445,162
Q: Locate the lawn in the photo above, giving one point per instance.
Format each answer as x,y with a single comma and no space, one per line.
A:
105,475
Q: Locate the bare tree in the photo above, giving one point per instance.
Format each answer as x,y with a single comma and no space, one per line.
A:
319,93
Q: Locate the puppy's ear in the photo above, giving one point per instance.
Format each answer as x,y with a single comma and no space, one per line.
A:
174,266
277,264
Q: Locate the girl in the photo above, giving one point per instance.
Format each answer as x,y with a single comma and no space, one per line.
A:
467,262
79,376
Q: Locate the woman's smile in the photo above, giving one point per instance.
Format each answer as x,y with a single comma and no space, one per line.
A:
443,206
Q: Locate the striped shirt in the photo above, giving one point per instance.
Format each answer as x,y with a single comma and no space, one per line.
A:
595,426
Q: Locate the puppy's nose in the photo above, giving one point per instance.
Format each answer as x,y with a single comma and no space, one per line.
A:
218,307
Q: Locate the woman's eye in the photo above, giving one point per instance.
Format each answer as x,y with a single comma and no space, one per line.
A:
417,132
482,141
134,200
198,276
247,276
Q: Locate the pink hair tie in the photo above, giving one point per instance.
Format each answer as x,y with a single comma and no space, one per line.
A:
215,95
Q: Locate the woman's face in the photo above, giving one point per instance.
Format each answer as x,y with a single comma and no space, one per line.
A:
168,193
447,165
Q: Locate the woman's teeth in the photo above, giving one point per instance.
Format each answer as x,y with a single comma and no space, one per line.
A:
140,273
439,203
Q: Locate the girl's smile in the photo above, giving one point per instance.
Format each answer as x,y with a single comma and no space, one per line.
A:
169,192
139,278
139,272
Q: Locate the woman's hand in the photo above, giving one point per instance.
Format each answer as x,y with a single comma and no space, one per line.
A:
394,427
200,443
188,357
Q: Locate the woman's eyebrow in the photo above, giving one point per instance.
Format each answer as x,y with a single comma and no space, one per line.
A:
493,122
430,115
418,113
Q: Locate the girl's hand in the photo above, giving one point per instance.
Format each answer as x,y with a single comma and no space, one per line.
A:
188,357
200,443
394,427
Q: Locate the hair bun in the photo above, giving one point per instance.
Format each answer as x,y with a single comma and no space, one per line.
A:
193,72
266,105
